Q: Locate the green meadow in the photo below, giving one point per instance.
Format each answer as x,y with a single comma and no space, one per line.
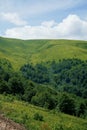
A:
19,52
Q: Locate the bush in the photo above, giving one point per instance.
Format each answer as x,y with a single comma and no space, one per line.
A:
38,117
67,104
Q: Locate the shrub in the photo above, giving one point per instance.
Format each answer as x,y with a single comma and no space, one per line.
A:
38,117
67,104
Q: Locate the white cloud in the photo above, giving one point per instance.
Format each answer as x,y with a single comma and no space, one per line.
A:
13,18
72,27
49,23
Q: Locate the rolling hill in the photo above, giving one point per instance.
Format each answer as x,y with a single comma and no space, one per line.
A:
36,51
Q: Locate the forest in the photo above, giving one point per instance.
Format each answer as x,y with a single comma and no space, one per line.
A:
60,86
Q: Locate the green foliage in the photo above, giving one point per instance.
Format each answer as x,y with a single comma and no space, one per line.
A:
37,73
4,88
73,79
67,75
43,94
59,127
25,117
44,99
29,91
67,104
81,109
16,85
5,64
38,117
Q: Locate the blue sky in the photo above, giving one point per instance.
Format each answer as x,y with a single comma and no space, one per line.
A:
43,19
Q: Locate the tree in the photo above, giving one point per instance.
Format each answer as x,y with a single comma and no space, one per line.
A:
16,85
66,104
4,87
44,99
81,109
29,91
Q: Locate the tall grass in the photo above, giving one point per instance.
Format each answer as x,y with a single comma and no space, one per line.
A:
24,113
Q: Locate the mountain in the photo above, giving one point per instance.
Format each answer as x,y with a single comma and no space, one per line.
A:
19,52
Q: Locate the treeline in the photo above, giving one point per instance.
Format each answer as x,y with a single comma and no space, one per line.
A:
49,85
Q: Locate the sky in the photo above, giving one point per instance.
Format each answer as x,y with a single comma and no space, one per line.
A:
43,19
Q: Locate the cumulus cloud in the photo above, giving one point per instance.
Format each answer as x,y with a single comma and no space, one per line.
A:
72,27
13,18
49,23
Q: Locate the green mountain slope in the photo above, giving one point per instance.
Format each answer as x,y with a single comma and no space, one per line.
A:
23,113
19,52
22,51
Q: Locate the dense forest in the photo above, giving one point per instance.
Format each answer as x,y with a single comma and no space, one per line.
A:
68,75
58,85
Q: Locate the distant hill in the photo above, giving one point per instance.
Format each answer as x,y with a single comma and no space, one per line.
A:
36,51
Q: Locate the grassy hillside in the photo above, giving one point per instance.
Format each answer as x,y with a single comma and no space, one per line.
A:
23,113
19,52
22,51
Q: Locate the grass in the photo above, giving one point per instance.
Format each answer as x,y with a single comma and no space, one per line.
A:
20,52
23,113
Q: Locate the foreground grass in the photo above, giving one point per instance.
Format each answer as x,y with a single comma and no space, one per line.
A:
23,113
19,52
